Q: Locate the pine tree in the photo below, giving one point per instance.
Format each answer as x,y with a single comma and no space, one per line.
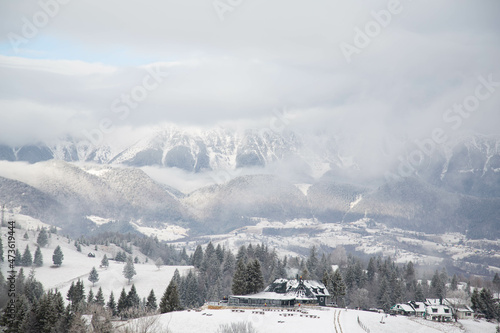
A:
99,297
151,305
112,304
339,287
312,261
27,258
1,250
170,300
496,282
239,286
42,239
105,261
38,261
90,299
122,302
198,257
454,282
254,279
219,252
26,237
419,293
19,258
58,256
129,270
93,276
133,299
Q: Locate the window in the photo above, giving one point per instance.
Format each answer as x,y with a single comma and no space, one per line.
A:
434,310
468,314
446,310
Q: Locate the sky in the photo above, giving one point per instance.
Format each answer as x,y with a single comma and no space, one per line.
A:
370,70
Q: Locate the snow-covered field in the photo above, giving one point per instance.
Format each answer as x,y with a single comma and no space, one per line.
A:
78,265
208,321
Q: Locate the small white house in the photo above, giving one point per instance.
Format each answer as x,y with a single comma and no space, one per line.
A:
419,308
403,309
438,312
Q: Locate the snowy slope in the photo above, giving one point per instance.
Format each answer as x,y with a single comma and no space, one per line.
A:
208,321
78,265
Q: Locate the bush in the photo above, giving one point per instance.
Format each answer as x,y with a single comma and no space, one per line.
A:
240,327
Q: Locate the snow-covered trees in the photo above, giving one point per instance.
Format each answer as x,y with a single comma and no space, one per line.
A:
43,238
38,261
129,270
27,258
239,286
105,261
151,305
159,262
93,276
170,300
58,256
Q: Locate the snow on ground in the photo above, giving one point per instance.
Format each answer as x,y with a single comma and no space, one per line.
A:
208,321
78,265
26,222
167,233
99,220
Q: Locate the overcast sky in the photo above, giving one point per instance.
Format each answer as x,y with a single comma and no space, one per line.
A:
65,69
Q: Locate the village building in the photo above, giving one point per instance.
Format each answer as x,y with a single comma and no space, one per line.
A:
460,309
419,308
402,309
283,292
437,311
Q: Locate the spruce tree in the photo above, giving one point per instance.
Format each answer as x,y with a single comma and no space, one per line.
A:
496,283
198,257
122,302
99,297
454,282
1,250
42,239
151,305
93,276
19,258
26,237
255,280
27,258
90,299
129,270
38,261
419,293
339,287
105,261
58,256
170,300
239,286
133,300
112,304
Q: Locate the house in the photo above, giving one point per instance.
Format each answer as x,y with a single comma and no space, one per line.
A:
419,308
438,312
460,309
283,292
403,309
